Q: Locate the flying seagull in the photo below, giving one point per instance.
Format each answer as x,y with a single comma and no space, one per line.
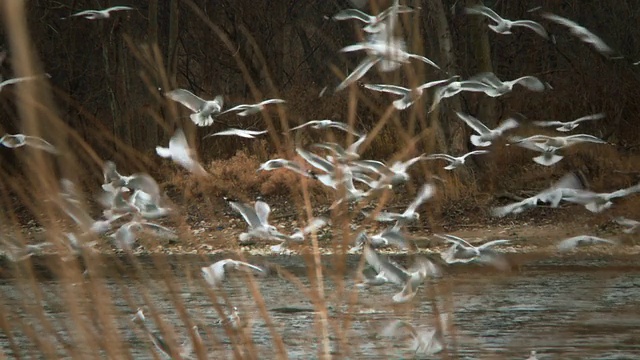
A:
500,87
409,215
247,134
204,111
374,23
100,14
18,140
504,26
485,135
250,109
461,251
581,33
125,236
582,240
632,226
180,152
569,125
258,220
216,272
160,344
453,161
409,96
326,124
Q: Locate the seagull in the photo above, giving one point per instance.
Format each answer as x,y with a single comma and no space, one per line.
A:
19,140
502,87
389,272
20,79
455,87
581,33
453,161
549,145
409,215
461,251
250,109
409,96
374,23
632,226
299,234
146,206
551,195
215,273
582,240
504,26
569,125
233,320
139,181
274,164
486,135
325,124
160,344
596,202
100,14
344,155
258,220
248,134
180,153
425,341
126,235
204,111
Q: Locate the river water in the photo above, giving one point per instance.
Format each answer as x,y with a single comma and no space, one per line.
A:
563,309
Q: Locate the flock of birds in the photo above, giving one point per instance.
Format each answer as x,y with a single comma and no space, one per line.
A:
135,201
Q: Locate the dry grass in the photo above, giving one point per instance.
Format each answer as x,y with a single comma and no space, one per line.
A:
86,315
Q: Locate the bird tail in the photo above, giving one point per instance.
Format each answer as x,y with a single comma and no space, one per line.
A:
547,159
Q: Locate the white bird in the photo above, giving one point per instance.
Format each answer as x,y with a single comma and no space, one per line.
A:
248,134
569,125
409,215
581,33
100,14
453,161
216,272
409,96
461,251
299,235
485,135
343,155
455,87
596,202
20,79
549,145
325,124
532,356
147,206
204,111
632,226
113,181
126,235
374,23
424,341
582,240
504,26
184,351
233,320
274,164
18,140
500,87
388,272
250,109
180,152
258,220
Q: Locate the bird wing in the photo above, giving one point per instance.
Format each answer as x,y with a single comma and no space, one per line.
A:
426,192
539,29
262,212
473,123
508,124
250,266
186,98
475,152
347,14
249,134
446,157
492,243
572,139
359,71
590,117
315,224
40,143
549,123
381,265
424,60
483,10
435,83
316,161
530,82
86,12
159,230
248,213
455,240
118,8
626,222
393,89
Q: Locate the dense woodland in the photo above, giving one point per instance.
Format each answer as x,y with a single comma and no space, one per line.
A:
108,76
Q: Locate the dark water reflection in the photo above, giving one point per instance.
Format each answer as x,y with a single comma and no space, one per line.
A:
563,312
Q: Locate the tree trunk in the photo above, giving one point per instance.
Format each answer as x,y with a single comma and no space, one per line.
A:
172,51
